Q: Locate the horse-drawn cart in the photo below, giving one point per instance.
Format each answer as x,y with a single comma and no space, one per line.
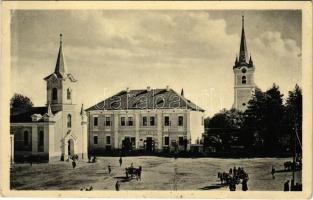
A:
132,172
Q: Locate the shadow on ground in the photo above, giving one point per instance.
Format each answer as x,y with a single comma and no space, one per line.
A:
122,178
212,187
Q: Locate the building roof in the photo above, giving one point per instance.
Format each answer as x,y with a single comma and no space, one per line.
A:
146,99
24,115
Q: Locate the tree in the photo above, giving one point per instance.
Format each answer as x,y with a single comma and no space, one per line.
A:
293,113
20,101
207,122
254,113
264,114
227,119
273,116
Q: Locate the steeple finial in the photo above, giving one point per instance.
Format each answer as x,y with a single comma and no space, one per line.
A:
60,38
60,67
243,21
182,92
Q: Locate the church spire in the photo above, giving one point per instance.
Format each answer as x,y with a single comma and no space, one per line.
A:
243,53
60,67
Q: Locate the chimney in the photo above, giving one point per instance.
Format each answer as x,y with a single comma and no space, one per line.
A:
148,88
167,88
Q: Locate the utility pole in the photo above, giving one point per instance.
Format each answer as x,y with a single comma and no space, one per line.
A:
294,154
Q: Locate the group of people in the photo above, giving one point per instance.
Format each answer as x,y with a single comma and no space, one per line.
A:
233,177
87,189
129,171
296,187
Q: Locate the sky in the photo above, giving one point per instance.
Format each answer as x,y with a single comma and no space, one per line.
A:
110,50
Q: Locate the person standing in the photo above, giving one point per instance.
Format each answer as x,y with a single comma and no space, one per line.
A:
273,172
117,186
286,186
73,164
121,161
89,157
109,168
139,172
244,184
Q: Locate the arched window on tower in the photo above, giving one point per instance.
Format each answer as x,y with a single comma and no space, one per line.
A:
69,93
69,121
244,80
54,94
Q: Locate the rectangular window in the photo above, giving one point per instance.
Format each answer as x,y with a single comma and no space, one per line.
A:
166,140
95,121
130,121
108,139
166,121
144,121
41,138
123,123
180,141
95,139
40,141
152,122
26,138
108,121
180,120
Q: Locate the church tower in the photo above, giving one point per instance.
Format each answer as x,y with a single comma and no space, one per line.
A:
70,122
243,75
60,85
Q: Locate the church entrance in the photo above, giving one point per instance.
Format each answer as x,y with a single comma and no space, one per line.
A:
70,147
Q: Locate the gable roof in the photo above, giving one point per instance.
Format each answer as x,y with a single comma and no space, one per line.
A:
24,115
146,99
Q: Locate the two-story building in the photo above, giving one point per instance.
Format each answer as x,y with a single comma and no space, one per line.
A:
149,119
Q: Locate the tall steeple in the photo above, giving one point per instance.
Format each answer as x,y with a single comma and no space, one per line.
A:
243,53
60,68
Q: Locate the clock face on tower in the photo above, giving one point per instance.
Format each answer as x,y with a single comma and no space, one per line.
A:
244,70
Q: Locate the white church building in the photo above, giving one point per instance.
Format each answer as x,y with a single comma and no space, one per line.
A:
57,130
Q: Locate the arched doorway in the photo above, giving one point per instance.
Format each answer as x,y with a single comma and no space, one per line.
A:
70,147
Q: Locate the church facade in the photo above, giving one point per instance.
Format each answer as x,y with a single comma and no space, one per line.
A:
243,68
57,130
145,119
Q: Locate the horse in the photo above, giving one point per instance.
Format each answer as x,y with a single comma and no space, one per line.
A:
288,165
